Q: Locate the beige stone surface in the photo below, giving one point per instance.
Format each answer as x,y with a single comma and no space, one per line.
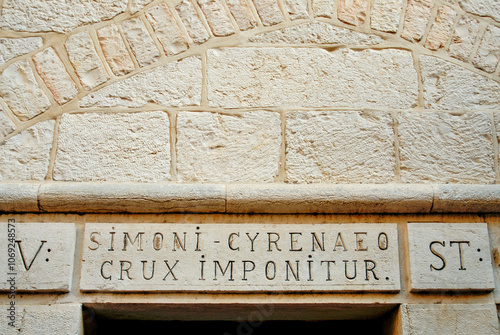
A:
386,15
177,83
269,12
290,77
449,198
441,28
140,42
137,5
449,256
114,50
192,22
459,149
19,197
464,38
449,86
217,17
324,8
166,29
297,9
21,92
317,33
352,11
215,147
488,53
13,47
83,56
417,16
53,73
25,156
242,14
43,256
6,124
494,234
482,8
113,147
339,147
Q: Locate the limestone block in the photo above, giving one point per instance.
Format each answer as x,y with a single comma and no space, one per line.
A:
417,16
269,12
446,256
192,22
217,18
140,42
114,50
449,86
242,13
137,5
19,197
176,83
13,47
316,33
463,38
113,147
228,148
445,148
324,8
166,30
57,15
6,124
339,147
21,92
55,319
25,156
52,71
441,28
87,64
482,8
352,11
461,198
297,9
494,232
457,319
42,257
386,15
489,50
236,77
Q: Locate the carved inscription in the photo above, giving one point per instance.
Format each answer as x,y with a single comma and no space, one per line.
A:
240,257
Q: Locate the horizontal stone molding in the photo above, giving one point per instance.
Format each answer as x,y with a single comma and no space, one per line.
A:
107,197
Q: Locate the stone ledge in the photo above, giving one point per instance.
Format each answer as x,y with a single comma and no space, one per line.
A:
105,197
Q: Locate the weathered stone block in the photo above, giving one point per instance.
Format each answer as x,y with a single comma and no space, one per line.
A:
192,22
297,9
13,47
386,15
6,124
417,16
140,42
217,17
269,12
166,29
441,28
352,11
137,5
324,8
114,50
488,53
242,14
482,8
464,38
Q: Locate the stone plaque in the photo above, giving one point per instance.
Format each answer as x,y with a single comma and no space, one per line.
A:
37,256
240,257
449,256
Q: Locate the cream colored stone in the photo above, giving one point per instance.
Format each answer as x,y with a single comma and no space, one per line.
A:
192,22
386,15
339,147
441,28
140,42
19,197
25,156
352,11
52,71
269,12
297,9
445,148
464,38
21,92
235,257
316,33
237,77
14,47
488,53
113,147
449,256
43,256
450,198
482,8
6,124
449,86
417,16
176,83
114,50
84,58
228,148
324,8
494,234
57,15
217,17
137,5
242,14
166,29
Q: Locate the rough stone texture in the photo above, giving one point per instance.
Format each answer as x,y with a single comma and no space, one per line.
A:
228,148
25,156
482,8
297,9
6,124
417,16
21,92
44,257
137,5
449,86
166,30
340,147
87,64
54,319
57,15
114,50
173,84
52,71
269,12
463,198
19,197
324,8
489,50
386,14
445,148
192,22
441,28
140,42
217,18
352,11
113,147
290,77
463,38
242,14
457,319
316,33
14,47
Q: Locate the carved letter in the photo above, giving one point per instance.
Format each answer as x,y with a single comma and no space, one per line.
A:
328,278
339,243
170,270
102,267
275,242
252,240
178,243
438,255
370,269
267,270
229,265
27,267
144,270
316,241
93,239
126,238
345,270
383,241
293,241
460,252
295,273
359,242
122,270
245,270
157,241
231,239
